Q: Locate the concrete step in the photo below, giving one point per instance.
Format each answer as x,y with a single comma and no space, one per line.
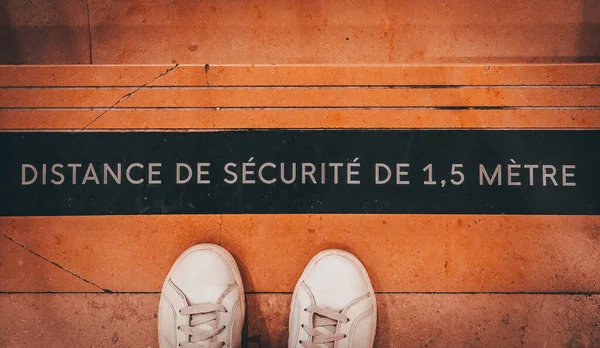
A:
404,320
403,253
288,32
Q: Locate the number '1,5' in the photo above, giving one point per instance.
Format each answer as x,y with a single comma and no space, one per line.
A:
457,176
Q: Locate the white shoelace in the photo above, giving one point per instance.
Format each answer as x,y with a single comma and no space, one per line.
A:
203,325
323,327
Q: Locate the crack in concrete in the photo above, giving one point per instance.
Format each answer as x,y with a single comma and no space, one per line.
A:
542,304
55,264
87,4
526,326
220,229
128,95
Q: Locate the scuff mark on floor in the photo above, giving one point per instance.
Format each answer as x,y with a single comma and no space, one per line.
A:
206,68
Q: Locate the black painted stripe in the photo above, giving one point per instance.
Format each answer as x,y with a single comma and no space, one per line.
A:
442,148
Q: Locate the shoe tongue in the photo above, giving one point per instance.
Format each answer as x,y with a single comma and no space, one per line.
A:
204,294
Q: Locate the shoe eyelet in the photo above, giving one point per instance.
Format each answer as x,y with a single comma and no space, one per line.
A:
305,310
345,335
348,320
300,341
225,311
179,327
302,325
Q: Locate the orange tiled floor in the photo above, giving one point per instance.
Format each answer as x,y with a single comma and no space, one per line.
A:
292,32
403,253
442,280
405,320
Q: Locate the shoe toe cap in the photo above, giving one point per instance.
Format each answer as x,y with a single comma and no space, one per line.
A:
336,279
202,276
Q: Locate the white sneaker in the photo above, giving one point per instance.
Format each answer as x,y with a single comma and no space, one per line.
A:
333,304
202,301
